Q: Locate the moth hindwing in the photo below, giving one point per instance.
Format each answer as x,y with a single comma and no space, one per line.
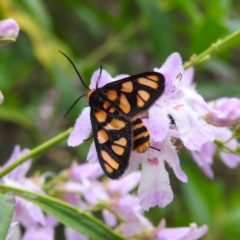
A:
117,129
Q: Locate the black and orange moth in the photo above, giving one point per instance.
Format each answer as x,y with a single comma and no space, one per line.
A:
117,128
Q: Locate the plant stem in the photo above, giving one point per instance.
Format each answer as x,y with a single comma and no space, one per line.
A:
205,55
36,151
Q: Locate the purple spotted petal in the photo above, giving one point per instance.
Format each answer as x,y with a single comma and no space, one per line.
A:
100,79
182,233
158,123
109,218
154,188
172,66
81,129
125,185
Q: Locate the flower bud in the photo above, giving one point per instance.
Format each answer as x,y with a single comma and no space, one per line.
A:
227,114
9,30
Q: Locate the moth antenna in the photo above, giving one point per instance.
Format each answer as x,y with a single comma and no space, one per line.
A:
99,76
155,148
74,105
75,69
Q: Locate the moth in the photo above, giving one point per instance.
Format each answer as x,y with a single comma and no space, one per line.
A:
117,128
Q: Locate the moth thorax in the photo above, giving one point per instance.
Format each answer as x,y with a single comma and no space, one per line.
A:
90,93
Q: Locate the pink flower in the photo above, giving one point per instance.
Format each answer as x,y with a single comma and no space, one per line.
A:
181,233
226,112
27,213
41,232
9,30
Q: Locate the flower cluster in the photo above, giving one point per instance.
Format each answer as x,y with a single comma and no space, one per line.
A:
120,208
179,115
29,215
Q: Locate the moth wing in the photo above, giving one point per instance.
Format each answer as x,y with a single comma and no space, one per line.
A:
135,94
113,141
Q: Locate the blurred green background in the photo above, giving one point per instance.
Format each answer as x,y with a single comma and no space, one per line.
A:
39,84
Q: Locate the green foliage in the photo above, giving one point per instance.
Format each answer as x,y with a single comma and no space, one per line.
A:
7,206
66,214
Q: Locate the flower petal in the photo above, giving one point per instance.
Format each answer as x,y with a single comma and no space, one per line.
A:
92,154
170,155
109,218
100,78
70,234
81,129
182,233
125,185
154,188
158,123
172,66
193,129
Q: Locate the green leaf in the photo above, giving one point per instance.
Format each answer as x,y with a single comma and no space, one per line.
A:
67,214
158,27
206,33
7,206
